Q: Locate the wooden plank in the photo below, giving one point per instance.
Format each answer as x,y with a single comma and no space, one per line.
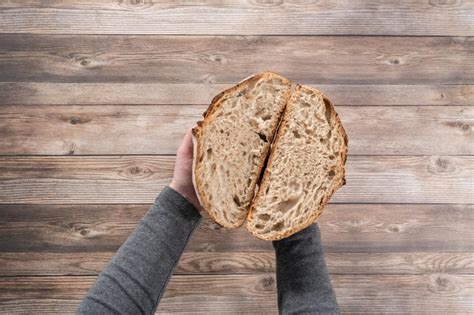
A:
440,293
346,228
413,17
78,263
229,59
364,294
138,179
148,129
45,93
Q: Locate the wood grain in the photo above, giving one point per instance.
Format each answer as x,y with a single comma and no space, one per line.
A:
115,84
138,179
367,294
413,17
148,129
222,263
46,93
347,228
229,59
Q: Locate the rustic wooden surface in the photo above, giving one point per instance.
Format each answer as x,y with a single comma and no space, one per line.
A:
95,97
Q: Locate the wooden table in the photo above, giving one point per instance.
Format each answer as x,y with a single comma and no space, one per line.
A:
95,97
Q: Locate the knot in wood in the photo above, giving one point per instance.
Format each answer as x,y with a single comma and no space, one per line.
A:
266,3
441,165
76,120
440,283
134,170
394,61
267,284
135,4
446,3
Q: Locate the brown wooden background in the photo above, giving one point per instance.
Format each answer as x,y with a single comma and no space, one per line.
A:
96,95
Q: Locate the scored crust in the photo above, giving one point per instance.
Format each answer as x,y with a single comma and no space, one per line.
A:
274,150
197,135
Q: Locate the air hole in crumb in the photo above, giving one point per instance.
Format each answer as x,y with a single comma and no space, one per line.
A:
278,226
259,226
288,204
221,131
236,200
264,217
296,134
267,189
323,141
213,168
201,157
331,174
209,151
262,136
266,117
332,157
327,104
294,186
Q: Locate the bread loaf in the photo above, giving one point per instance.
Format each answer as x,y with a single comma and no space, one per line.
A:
232,142
306,156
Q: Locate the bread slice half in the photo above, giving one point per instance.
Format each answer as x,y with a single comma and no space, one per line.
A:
305,167
232,142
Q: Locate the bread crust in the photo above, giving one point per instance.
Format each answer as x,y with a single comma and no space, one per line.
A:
197,142
339,169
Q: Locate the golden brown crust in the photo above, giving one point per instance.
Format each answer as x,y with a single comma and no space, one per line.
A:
339,169
197,137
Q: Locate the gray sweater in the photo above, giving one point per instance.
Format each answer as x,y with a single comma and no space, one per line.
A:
134,280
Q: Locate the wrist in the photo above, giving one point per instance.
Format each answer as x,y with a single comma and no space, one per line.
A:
190,196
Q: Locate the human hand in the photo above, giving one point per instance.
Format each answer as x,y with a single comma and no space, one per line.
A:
182,177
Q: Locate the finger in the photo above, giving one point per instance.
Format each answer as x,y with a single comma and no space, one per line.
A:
186,147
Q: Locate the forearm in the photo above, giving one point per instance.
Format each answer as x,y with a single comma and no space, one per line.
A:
134,280
303,282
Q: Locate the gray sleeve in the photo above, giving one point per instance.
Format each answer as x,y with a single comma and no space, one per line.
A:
134,280
303,282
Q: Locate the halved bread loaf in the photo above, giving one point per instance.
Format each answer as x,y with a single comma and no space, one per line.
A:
232,142
305,167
